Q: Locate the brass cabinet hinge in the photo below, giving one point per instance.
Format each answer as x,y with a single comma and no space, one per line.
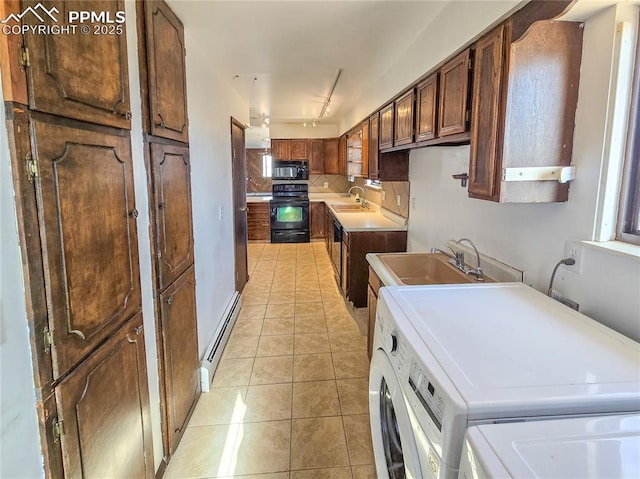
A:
468,116
32,167
470,63
58,430
48,339
24,57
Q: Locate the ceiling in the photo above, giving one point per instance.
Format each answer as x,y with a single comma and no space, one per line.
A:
283,56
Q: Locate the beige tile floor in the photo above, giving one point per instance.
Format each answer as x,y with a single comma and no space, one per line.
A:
289,397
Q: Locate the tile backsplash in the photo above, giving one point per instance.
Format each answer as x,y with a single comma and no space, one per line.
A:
392,189
335,184
256,183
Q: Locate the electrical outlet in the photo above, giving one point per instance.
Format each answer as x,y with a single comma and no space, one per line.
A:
398,200
573,249
326,185
413,203
384,194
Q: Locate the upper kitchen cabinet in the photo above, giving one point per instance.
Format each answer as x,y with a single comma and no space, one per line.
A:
280,150
316,160
374,149
526,78
404,107
426,107
84,77
166,73
454,92
330,156
342,154
386,127
358,150
298,149
388,166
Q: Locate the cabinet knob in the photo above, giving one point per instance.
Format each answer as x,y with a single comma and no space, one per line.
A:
244,208
134,213
162,205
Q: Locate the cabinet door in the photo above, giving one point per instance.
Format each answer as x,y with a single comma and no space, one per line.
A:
258,222
364,128
167,73
454,91
280,150
299,149
404,119
426,104
372,304
345,267
104,408
386,127
342,154
171,172
179,353
330,156
374,131
316,164
317,219
87,219
79,76
484,163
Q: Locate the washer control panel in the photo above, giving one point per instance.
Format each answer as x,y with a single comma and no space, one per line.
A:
428,395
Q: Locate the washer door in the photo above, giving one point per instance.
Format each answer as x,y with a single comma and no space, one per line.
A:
394,445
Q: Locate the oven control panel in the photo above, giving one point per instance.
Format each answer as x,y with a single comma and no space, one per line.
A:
429,396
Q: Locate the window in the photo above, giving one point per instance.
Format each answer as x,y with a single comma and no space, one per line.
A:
374,183
629,219
266,166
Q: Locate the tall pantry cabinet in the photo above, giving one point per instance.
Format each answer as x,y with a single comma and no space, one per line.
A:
67,103
163,81
68,118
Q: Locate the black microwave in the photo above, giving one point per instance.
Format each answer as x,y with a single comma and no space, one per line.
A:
290,170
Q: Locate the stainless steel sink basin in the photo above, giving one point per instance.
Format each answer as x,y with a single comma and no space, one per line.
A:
349,208
424,268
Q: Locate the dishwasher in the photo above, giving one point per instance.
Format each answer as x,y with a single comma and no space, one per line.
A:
336,250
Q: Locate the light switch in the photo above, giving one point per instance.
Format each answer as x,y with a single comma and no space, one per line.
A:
398,200
326,185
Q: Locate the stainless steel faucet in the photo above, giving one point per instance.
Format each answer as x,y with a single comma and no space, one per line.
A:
364,200
457,259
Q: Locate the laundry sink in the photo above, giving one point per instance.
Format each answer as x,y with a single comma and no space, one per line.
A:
424,268
348,208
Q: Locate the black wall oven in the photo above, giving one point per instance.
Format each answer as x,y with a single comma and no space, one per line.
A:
290,170
289,213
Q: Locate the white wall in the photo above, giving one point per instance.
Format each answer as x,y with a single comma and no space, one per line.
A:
211,103
532,237
298,131
20,455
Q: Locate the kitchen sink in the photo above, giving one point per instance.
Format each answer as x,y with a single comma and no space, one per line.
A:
424,268
349,208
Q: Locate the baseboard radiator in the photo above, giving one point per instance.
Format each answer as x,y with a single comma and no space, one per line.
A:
214,351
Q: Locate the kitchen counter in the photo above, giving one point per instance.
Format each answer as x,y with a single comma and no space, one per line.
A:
258,198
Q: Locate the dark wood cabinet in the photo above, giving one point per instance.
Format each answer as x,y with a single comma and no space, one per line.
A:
328,229
180,354
374,149
317,219
316,159
358,244
453,97
103,410
258,223
330,156
404,108
298,149
88,228
342,154
171,200
84,77
427,101
386,127
358,151
524,109
166,72
372,304
280,150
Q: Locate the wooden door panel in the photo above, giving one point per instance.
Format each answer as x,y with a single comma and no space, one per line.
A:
374,169
79,76
386,127
404,119
280,150
316,164
454,91
426,106
330,156
172,200
239,183
180,353
485,157
88,228
299,149
104,409
167,72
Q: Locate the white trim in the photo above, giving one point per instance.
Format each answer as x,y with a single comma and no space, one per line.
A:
616,132
618,248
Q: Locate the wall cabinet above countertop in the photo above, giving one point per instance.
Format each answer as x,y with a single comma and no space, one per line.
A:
321,153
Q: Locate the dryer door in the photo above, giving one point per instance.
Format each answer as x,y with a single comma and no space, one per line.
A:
394,444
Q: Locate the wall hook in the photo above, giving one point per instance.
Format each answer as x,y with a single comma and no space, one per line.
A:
463,177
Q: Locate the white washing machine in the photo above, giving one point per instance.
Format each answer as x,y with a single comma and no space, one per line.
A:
448,357
578,448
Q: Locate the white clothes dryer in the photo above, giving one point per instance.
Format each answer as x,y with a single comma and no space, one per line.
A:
578,448
448,357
